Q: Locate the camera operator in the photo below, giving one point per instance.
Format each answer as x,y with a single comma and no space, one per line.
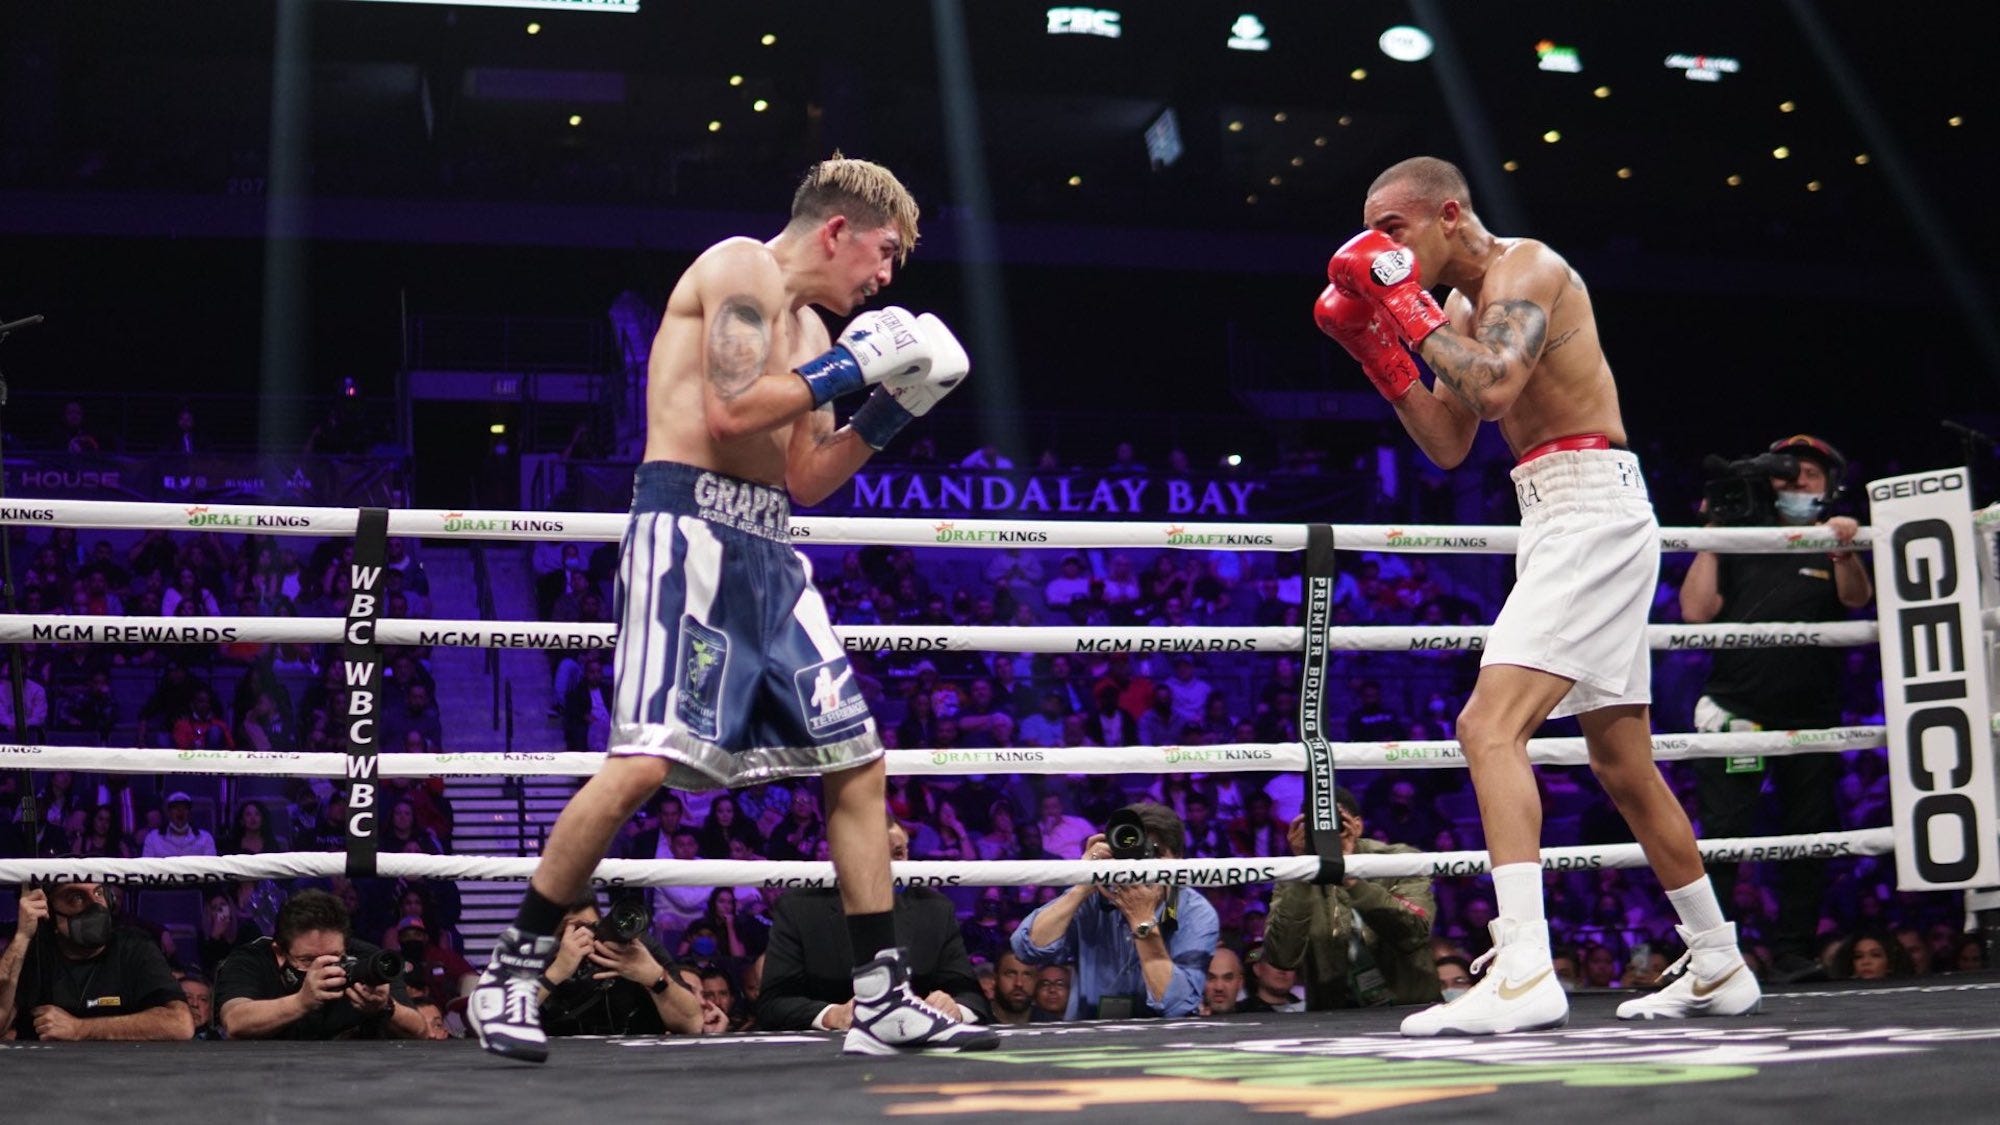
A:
1777,689
610,977
71,973
1140,949
1359,944
314,981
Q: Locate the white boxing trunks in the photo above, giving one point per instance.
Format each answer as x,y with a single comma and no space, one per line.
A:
1585,574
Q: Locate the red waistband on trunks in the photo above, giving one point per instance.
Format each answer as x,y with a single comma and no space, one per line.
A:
1564,445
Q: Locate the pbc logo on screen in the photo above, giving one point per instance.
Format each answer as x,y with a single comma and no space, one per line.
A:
1084,21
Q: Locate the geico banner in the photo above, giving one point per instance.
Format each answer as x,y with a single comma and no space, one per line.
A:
1934,685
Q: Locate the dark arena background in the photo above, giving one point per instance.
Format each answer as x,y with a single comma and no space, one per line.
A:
326,323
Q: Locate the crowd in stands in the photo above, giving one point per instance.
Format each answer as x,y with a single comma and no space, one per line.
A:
1611,927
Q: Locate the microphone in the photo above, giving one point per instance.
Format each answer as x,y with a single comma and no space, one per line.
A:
24,322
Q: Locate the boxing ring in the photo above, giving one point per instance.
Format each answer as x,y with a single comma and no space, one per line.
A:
1319,1065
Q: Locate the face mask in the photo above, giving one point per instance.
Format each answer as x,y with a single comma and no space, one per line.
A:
91,928
703,946
1797,507
1451,994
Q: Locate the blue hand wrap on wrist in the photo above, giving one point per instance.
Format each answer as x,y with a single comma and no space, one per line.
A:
831,374
879,419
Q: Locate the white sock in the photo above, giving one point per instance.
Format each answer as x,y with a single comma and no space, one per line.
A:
1696,905
1517,889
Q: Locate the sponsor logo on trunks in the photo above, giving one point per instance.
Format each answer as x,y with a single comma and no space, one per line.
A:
704,655
829,699
985,757
949,532
1180,536
1397,538
27,515
1391,267
459,521
1175,755
199,515
749,508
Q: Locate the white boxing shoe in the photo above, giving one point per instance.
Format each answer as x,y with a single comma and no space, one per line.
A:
1717,981
1519,991
890,1020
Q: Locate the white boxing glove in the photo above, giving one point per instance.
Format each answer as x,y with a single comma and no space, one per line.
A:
878,345
895,403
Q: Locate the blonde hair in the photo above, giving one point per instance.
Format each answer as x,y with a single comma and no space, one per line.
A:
868,194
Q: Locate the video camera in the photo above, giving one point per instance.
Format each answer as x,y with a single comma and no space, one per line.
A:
374,970
627,919
1739,493
1126,835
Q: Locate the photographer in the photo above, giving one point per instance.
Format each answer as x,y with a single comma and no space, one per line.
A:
1140,949
1776,689
313,981
610,977
71,974
1359,944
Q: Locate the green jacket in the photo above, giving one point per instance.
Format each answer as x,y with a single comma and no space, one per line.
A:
1308,930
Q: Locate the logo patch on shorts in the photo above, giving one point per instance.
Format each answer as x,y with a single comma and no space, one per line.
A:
829,699
1390,267
698,680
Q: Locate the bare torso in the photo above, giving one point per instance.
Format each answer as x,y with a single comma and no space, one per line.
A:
676,427
1570,390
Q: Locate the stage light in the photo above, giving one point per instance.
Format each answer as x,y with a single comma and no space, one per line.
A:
1734,180
1277,181
1511,166
1406,44
1251,199
1812,185
1280,117
1787,106
760,105
1319,142
1555,57
1298,161
1345,121
1358,74
1601,92
1955,121
534,29
715,126
1236,126
1552,136
1076,181
1233,460
736,80
497,428
768,39
1624,173
1248,34
575,119
1861,158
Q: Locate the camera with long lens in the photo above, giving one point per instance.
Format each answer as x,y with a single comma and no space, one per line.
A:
627,919
1126,835
1739,494
374,969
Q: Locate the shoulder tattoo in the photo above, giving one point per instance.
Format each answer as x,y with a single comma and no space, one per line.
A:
739,343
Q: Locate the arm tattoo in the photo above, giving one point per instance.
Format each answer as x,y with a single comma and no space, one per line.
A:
1559,341
1506,329
823,431
738,344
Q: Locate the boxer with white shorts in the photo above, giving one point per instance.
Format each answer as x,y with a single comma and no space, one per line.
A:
1516,344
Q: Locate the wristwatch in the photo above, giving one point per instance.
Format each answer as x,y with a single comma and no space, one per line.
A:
1146,929
659,987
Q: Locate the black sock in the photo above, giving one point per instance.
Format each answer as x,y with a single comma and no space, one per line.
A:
538,916
871,934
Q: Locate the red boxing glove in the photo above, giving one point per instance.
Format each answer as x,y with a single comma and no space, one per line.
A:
1364,333
1374,267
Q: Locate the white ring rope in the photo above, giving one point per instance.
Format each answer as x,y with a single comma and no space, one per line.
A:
1248,757
193,871
102,629
607,527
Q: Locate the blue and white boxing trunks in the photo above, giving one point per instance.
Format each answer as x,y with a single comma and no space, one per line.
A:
727,665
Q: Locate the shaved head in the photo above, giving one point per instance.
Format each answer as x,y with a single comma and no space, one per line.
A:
1428,179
